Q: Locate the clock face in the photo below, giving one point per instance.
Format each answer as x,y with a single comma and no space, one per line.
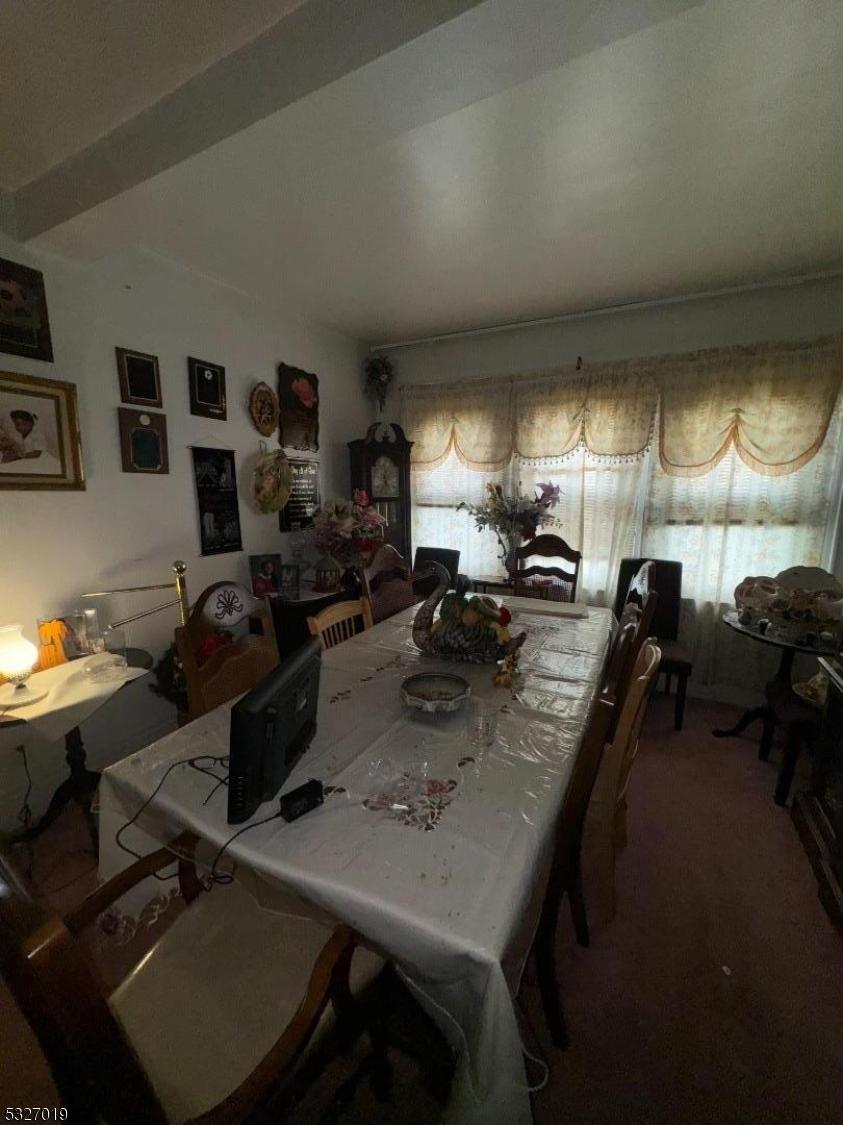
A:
385,478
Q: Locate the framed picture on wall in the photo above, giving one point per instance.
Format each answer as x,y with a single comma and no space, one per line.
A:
207,389
24,324
298,399
216,492
143,441
140,379
39,434
265,571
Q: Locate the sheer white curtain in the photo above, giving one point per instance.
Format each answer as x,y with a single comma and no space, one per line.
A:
731,523
743,478
599,512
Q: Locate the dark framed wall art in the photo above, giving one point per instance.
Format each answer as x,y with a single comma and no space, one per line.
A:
143,441
207,389
216,494
39,434
140,379
298,399
24,324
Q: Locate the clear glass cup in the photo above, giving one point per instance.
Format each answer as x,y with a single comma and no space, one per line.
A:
114,641
482,721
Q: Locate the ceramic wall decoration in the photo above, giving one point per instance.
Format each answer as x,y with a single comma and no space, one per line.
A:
263,409
272,482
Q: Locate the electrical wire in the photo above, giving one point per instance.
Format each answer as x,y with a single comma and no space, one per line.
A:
25,813
202,764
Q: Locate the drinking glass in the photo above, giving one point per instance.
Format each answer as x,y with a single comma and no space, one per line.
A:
115,642
482,721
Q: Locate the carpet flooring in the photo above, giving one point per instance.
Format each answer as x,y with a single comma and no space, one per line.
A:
715,995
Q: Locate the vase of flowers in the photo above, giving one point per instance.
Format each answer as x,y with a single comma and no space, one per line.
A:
514,519
348,531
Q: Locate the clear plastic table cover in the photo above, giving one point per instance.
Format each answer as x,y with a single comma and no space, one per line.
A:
433,847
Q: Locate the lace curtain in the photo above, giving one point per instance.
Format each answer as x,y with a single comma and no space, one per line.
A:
740,483
771,403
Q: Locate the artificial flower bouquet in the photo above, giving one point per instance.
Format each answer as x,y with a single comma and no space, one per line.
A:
514,517
348,530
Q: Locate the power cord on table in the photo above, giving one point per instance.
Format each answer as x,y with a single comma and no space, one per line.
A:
203,763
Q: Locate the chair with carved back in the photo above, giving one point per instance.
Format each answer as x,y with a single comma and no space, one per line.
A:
555,583
605,829
217,1024
341,621
388,584
565,874
676,659
639,606
218,667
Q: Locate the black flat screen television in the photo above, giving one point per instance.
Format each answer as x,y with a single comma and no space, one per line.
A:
271,727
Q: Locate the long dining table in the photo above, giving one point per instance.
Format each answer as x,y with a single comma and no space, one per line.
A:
436,849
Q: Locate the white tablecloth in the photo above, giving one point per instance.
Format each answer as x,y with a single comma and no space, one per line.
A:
71,698
449,887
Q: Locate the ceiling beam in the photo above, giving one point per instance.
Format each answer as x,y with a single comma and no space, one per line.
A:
316,44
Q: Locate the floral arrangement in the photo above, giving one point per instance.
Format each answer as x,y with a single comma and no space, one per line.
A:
514,517
348,529
379,374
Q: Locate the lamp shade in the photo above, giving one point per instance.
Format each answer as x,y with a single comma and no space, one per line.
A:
18,656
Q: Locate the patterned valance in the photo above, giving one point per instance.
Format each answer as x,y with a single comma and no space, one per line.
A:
773,402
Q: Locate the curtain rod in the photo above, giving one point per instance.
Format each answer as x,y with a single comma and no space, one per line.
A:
628,306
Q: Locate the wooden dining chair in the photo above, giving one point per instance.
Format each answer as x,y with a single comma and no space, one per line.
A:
388,584
216,674
605,824
556,583
341,621
676,659
215,1023
424,579
565,874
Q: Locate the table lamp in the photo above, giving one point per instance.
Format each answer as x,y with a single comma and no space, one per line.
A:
18,658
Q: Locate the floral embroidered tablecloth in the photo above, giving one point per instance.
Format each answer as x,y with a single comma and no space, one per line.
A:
433,848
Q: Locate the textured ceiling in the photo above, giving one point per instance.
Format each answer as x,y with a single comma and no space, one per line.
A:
74,69
415,196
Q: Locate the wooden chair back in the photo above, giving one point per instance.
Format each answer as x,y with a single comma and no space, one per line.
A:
667,580
340,622
586,766
556,583
236,667
56,987
388,584
641,584
606,819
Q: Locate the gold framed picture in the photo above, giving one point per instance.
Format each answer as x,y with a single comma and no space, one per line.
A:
39,434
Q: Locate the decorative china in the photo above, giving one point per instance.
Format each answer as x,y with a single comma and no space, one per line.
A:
430,691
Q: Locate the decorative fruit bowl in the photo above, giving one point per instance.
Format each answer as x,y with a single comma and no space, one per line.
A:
431,691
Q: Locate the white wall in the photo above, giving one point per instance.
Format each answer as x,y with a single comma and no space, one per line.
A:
126,529
780,313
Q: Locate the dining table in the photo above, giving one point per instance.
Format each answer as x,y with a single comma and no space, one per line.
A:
433,842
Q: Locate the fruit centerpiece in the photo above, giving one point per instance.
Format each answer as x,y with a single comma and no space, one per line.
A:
470,627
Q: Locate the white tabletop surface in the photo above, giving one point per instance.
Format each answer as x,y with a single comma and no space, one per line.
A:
71,698
450,886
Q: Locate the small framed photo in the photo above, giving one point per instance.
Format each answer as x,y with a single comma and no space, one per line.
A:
266,574
140,379
143,441
290,580
39,433
24,324
207,389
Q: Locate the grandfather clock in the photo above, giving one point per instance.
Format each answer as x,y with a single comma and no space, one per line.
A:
380,464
